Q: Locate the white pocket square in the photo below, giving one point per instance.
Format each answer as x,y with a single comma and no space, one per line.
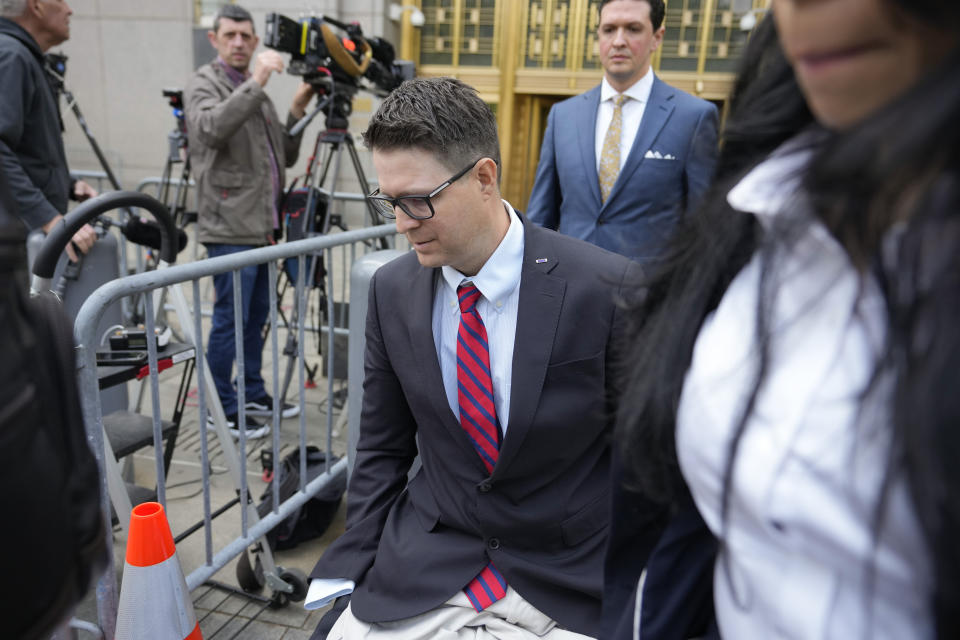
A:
656,155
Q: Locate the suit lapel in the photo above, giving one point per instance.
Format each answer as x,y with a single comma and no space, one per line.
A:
655,117
424,347
586,121
422,291
538,313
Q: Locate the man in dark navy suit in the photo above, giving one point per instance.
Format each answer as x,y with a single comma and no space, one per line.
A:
491,352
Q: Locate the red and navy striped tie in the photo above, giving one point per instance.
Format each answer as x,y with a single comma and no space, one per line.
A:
478,416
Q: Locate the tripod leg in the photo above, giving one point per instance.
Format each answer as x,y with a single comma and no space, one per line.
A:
358,168
163,189
335,154
290,351
306,276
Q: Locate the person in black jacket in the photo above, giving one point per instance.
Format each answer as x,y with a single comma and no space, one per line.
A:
61,533
31,142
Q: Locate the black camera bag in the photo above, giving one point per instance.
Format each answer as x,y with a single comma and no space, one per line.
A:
314,517
300,224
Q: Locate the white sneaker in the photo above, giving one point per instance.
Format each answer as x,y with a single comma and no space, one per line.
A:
264,407
255,429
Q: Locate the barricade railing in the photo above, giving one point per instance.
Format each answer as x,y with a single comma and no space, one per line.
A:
158,182
335,248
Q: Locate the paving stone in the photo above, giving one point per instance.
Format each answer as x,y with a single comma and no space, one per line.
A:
292,615
219,625
217,600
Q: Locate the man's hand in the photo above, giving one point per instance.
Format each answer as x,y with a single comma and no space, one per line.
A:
82,239
298,108
83,191
266,63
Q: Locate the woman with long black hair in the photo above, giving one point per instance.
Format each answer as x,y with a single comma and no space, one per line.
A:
796,361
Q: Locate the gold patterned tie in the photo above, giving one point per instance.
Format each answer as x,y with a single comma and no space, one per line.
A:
610,156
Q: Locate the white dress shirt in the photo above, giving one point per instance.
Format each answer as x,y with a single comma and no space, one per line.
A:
808,473
631,115
499,283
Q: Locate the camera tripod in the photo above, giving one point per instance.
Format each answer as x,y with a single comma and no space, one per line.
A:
322,174
177,154
176,205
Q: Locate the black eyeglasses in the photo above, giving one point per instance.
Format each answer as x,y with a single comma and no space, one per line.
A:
417,207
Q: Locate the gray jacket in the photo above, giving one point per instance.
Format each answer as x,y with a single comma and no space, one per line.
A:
228,130
31,140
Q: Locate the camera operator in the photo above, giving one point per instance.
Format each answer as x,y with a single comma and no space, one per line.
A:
31,140
239,150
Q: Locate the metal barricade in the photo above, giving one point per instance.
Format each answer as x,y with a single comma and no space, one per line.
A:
339,248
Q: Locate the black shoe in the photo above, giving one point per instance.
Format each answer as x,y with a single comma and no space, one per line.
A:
254,431
264,407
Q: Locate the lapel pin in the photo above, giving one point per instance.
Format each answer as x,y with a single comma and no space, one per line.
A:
541,260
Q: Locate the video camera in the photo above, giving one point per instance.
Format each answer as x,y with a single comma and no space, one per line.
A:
326,60
174,99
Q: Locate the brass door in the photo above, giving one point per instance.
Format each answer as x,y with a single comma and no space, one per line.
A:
530,122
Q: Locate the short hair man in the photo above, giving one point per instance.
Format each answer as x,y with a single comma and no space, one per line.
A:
490,351
239,150
622,161
31,138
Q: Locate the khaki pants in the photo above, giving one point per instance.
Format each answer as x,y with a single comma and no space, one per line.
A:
510,618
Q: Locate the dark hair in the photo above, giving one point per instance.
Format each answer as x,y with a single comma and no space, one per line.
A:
234,12
441,115
657,10
888,189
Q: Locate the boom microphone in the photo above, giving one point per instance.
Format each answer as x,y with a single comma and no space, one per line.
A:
145,232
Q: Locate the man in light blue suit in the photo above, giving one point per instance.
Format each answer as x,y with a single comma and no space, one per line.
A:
621,162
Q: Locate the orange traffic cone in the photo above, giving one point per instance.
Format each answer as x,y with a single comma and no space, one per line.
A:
154,601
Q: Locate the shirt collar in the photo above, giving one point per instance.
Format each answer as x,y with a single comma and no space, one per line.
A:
500,274
235,76
639,91
768,188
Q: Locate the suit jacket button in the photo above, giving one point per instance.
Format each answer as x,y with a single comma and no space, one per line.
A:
484,487
493,543
601,221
